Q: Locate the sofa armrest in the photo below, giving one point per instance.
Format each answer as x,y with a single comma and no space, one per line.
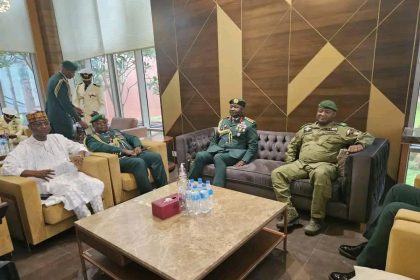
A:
98,168
114,172
364,185
160,148
24,193
187,145
404,245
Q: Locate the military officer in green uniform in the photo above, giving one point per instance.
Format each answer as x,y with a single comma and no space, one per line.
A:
133,157
312,154
235,143
61,112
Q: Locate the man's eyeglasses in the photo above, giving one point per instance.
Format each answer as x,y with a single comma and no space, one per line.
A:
40,123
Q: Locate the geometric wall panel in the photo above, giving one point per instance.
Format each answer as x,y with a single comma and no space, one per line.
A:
386,120
357,28
233,9
230,60
320,66
284,57
394,50
326,16
305,43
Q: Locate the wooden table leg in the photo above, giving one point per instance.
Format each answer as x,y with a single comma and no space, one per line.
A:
82,260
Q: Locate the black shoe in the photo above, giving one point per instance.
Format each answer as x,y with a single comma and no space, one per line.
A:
342,275
351,252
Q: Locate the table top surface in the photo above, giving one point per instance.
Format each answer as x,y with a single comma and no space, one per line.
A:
181,247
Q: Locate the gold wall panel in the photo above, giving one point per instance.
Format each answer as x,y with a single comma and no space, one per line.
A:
230,60
312,75
385,120
171,103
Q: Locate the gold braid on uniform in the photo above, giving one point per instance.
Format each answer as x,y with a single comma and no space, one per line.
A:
224,131
116,142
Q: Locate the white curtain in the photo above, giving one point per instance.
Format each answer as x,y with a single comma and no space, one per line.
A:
15,29
89,28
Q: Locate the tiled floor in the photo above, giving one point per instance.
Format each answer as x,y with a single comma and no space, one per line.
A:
307,257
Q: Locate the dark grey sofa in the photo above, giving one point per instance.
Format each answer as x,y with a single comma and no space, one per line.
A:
355,196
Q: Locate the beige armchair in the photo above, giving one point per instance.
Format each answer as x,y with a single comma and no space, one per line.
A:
129,125
6,245
124,185
33,222
404,245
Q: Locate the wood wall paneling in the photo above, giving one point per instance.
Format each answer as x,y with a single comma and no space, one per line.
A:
165,40
394,49
233,8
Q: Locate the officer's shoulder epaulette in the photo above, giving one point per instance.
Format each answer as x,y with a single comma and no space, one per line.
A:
96,85
342,124
250,120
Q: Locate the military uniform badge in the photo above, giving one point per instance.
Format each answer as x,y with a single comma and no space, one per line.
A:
307,129
240,128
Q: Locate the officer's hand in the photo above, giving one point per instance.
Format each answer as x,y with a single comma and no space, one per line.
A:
137,150
83,124
78,110
355,148
128,152
240,163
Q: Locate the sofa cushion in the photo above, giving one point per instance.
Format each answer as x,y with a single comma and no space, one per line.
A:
55,213
304,188
257,172
129,182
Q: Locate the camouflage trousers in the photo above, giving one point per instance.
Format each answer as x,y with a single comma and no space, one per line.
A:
321,174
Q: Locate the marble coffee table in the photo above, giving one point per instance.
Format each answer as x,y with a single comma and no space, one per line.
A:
127,241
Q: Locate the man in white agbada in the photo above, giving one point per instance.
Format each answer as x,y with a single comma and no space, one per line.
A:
53,161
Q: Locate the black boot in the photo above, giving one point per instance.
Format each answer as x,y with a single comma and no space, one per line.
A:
351,252
342,275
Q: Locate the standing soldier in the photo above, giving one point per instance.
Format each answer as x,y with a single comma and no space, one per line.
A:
235,143
89,96
312,154
61,112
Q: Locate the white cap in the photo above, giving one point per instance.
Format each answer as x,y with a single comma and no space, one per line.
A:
9,111
85,71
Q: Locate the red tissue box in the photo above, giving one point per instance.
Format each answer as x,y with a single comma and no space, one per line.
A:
166,207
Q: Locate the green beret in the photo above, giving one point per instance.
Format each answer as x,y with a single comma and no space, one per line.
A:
69,65
328,104
97,117
238,101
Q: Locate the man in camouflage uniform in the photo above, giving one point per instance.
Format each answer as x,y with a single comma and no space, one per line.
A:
132,155
61,112
235,143
312,154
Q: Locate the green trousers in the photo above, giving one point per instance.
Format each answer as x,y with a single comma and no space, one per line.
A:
320,174
138,166
220,160
400,196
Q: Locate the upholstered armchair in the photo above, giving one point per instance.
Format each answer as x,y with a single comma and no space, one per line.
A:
129,125
6,245
33,222
124,185
404,244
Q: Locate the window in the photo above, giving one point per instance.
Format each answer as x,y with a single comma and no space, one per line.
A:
130,84
128,88
152,87
18,88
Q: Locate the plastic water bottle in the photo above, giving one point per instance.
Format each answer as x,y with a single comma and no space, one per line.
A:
4,146
195,195
210,192
188,199
204,194
182,188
